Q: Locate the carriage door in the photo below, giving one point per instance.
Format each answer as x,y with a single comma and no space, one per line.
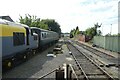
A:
27,36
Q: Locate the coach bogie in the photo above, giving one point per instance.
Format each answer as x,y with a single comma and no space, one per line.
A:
8,63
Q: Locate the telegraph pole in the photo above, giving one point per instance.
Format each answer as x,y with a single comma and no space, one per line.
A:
111,30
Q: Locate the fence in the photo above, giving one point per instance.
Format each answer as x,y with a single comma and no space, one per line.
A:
108,42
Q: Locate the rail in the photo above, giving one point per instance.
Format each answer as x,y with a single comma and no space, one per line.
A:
113,60
110,77
47,74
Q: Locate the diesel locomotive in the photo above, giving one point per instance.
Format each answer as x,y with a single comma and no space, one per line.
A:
20,41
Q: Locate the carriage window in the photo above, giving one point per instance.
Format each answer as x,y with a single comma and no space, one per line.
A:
42,35
35,38
18,38
31,32
27,36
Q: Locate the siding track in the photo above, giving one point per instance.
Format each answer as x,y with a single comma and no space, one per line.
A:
113,61
87,68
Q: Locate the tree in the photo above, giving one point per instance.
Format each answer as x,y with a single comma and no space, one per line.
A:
96,26
99,32
91,32
27,20
33,21
52,25
72,33
77,30
43,26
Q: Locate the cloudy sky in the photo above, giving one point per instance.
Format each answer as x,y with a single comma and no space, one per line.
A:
68,13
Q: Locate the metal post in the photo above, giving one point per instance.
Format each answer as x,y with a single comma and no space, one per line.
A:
60,74
68,72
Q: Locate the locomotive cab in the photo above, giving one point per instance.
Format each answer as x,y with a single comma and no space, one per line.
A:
17,42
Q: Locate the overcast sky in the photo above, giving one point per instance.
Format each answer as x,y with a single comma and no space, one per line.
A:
68,13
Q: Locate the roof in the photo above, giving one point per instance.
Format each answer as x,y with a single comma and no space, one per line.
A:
41,29
6,18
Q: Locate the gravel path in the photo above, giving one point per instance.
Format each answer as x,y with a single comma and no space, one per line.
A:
39,65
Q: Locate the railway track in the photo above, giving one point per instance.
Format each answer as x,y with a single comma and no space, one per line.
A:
113,61
86,68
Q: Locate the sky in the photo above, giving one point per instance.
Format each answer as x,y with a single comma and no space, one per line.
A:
68,13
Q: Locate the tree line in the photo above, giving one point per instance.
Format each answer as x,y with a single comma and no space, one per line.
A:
91,31
33,21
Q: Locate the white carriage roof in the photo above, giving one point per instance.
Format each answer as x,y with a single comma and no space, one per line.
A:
41,29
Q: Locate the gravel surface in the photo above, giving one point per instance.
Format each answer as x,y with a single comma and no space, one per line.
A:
111,70
39,65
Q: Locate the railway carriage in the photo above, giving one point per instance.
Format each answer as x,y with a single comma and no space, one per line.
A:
31,38
45,37
17,42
